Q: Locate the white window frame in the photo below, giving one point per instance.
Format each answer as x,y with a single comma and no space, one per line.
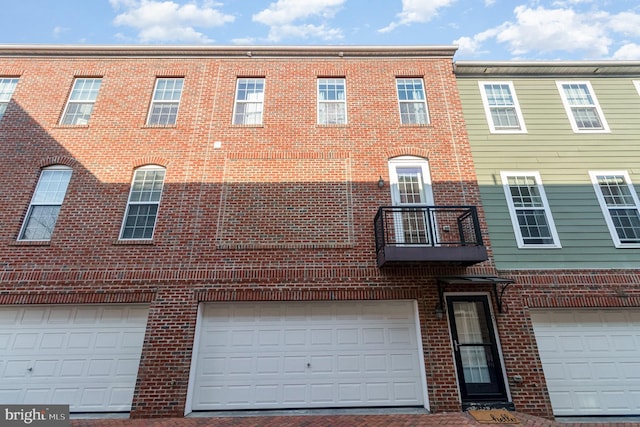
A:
516,106
34,203
422,101
513,210
90,101
157,102
595,105
260,103
6,95
131,203
636,83
331,101
605,208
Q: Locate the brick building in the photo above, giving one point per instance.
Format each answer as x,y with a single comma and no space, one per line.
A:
211,228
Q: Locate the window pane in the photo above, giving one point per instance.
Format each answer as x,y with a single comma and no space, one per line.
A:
413,113
166,99
577,94
7,87
524,192
77,114
615,191
587,118
51,187
140,222
627,224
534,226
249,102
411,95
40,223
332,113
147,186
331,89
498,95
85,90
504,118
163,114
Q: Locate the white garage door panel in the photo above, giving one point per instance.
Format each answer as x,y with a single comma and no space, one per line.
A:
85,356
313,354
591,360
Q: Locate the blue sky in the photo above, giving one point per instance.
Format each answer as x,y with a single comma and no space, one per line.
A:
483,29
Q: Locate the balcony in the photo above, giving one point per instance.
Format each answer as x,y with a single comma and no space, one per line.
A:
439,234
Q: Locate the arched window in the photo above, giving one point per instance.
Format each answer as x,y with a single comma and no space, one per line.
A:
144,201
46,203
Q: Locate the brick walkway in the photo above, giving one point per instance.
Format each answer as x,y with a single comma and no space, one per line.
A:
395,420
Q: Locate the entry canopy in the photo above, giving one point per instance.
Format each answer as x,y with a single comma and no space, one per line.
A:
494,281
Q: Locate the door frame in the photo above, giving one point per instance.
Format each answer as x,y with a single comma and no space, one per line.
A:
494,326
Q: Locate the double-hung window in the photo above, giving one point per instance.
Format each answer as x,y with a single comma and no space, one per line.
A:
413,101
165,102
46,203
7,86
81,101
620,206
582,107
144,201
332,101
530,214
501,107
249,101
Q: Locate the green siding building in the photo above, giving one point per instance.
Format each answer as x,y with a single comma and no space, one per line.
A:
556,147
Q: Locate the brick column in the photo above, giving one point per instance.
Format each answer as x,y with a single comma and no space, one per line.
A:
163,376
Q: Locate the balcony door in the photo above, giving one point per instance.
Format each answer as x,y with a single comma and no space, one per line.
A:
478,363
410,188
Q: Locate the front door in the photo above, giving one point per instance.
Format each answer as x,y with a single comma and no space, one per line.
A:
476,351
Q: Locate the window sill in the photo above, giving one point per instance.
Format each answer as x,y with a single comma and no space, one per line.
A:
174,126
242,125
332,125
60,126
415,125
134,242
31,243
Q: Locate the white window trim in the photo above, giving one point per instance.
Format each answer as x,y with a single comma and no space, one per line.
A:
504,175
423,101
319,101
31,204
129,204
410,161
567,107
84,101
636,83
605,209
487,107
8,101
153,94
237,102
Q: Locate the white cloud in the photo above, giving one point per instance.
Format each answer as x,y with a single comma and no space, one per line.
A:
282,16
627,23
628,52
471,45
419,11
540,30
57,31
165,21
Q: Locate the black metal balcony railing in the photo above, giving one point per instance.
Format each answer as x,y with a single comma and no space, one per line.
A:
428,233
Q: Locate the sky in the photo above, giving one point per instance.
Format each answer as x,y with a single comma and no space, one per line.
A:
482,29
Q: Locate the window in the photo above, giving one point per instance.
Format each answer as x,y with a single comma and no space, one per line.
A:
249,102
412,100
46,203
83,97
619,203
144,201
530,215
582,107
7,86
332,102
166,99
501,107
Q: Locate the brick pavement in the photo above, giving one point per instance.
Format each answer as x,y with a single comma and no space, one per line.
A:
394,420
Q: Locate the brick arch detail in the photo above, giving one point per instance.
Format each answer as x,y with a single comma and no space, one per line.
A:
58,160
150,160
408,151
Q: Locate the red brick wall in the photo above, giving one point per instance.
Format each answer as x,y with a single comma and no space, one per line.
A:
282,211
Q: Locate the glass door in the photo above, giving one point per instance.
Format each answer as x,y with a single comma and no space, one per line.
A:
476,351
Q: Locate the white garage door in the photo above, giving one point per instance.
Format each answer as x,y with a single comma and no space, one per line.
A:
86,356
591,360
306,355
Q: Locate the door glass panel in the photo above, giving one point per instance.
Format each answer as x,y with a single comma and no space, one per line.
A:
472,329
411,225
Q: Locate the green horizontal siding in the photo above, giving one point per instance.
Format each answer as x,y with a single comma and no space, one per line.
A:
563,159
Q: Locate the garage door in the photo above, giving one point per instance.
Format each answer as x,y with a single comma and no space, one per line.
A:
591,360
307,355
85,356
